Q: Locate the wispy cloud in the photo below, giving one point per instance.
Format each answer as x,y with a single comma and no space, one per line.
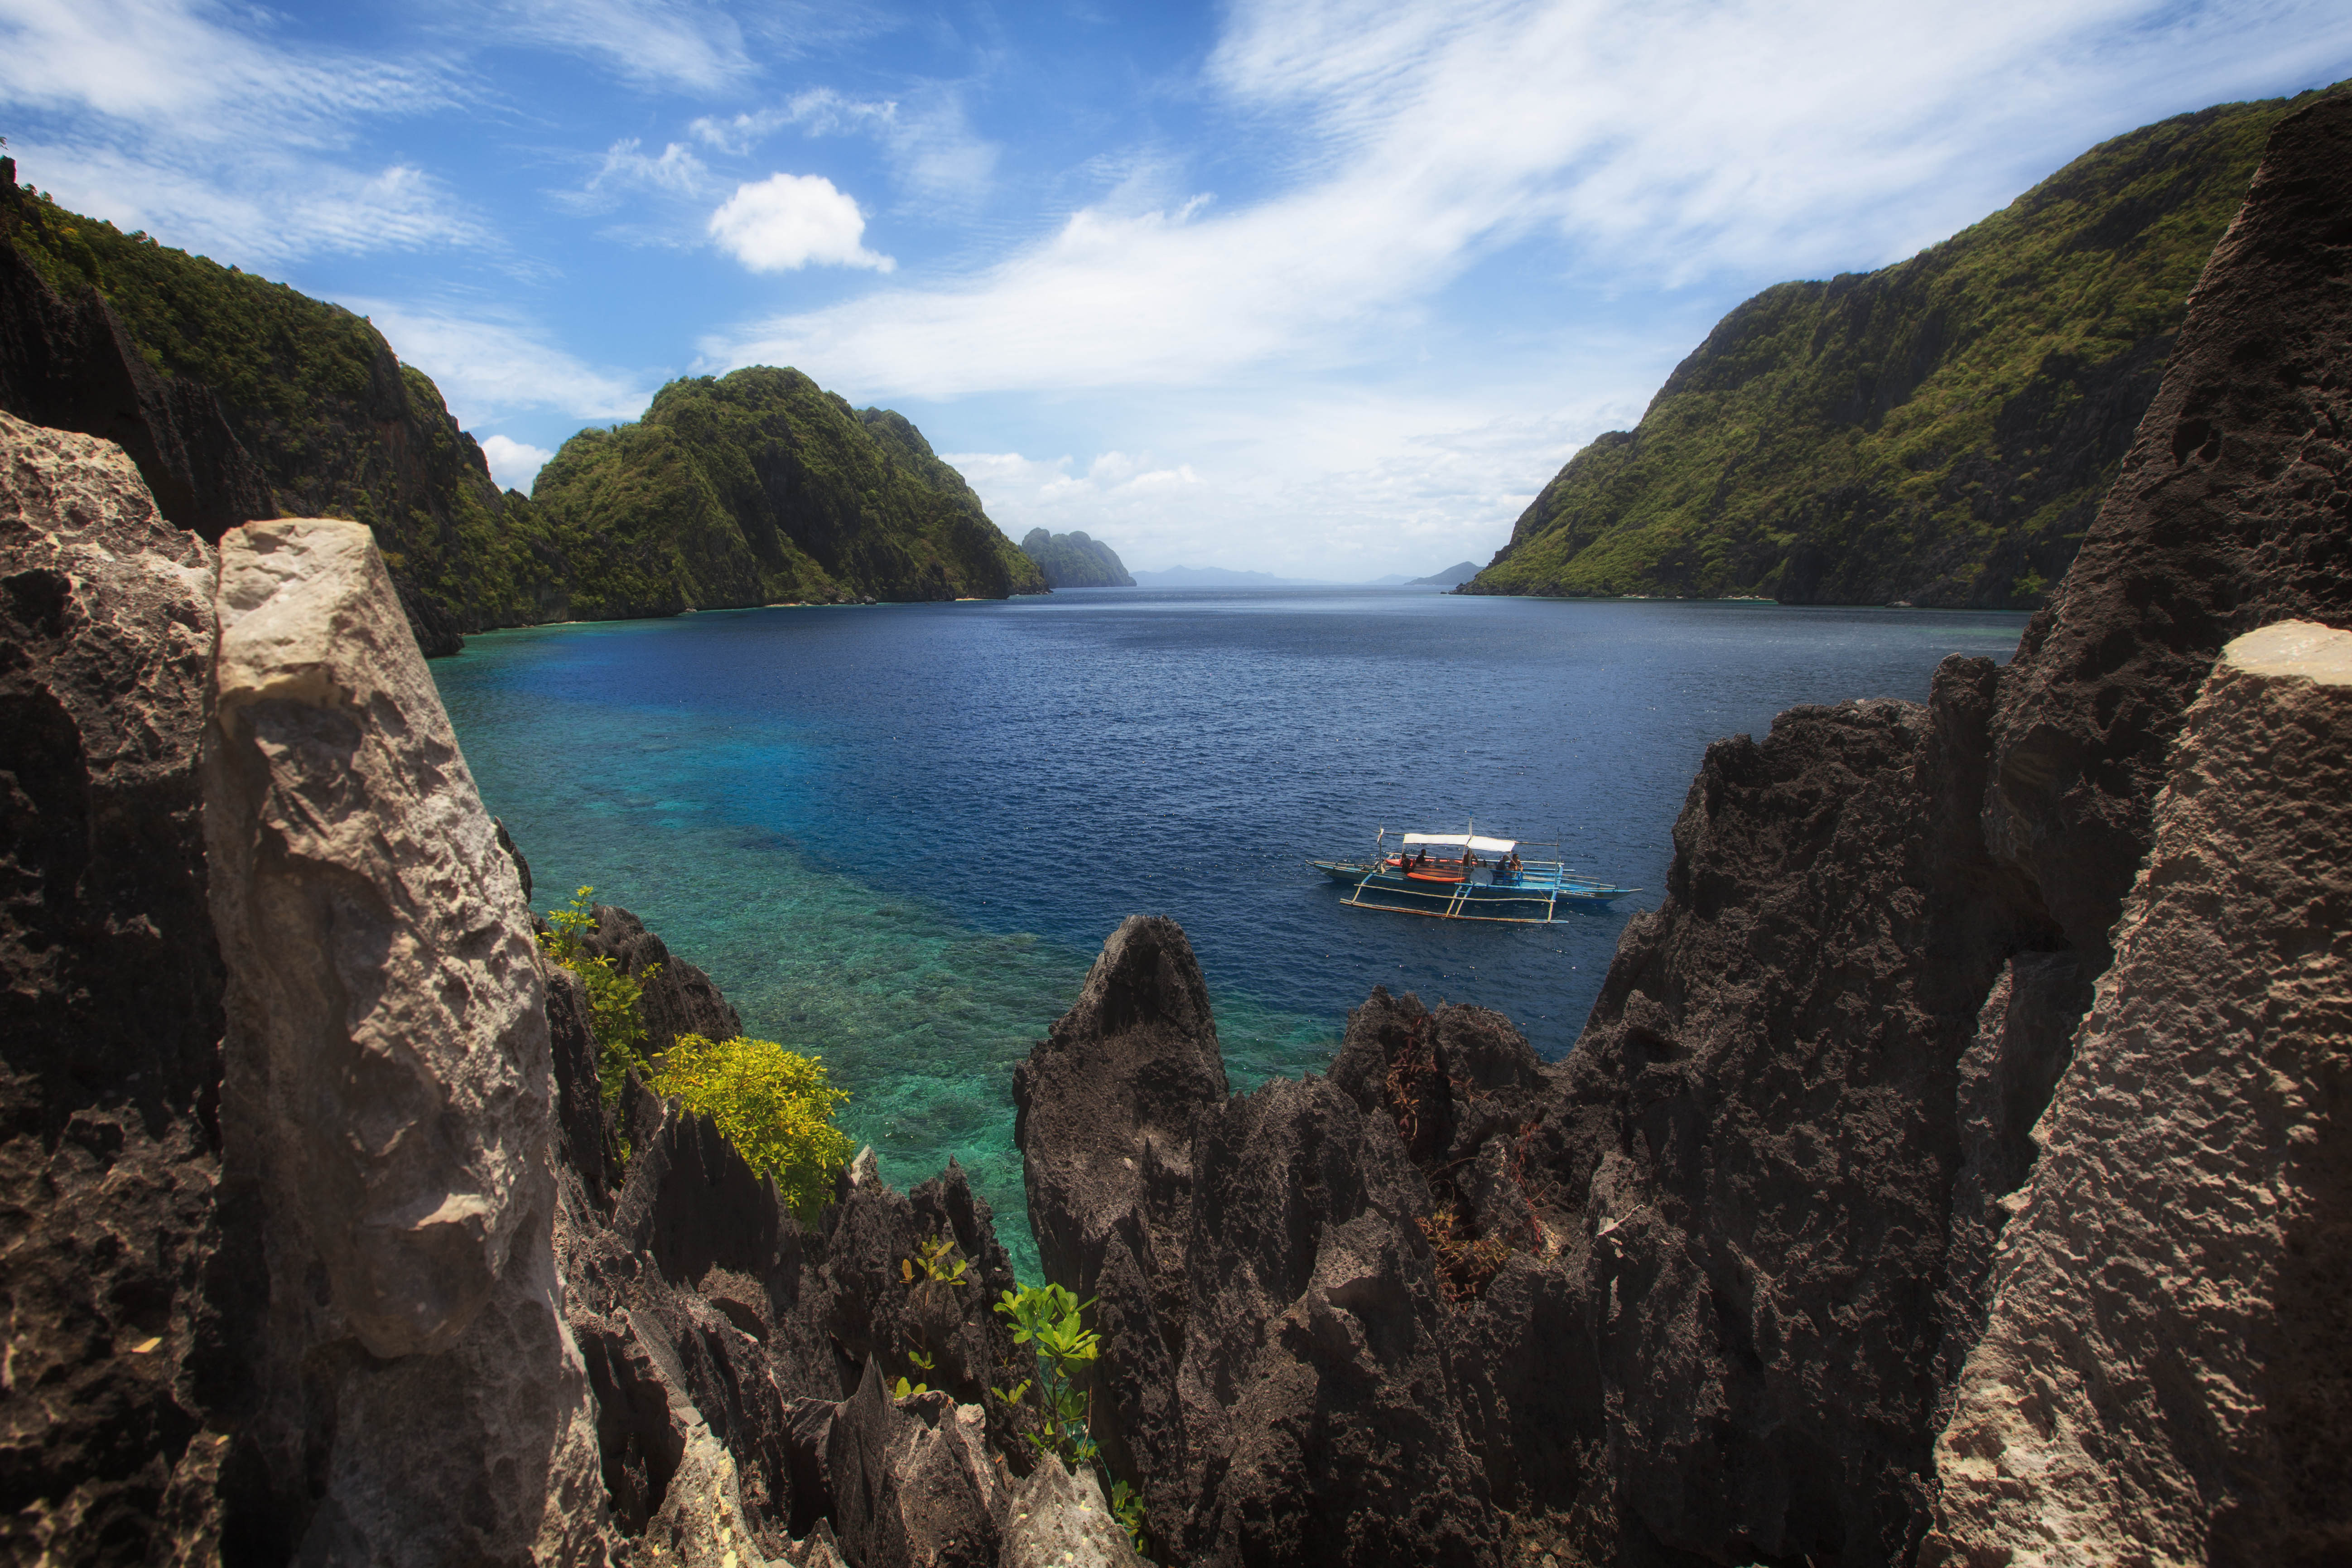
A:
488,364
272,208
628,169
197,71
934,152
1680,141
192,120
674,44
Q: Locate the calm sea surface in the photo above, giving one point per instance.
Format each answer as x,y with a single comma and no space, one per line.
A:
896,835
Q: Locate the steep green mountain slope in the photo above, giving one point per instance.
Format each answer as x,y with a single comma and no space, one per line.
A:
1075,560
760,486
313,394
1937,432
240,398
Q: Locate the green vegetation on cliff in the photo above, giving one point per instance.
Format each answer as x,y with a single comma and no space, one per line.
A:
339,427
750,489
1937,432
760,486
1075,560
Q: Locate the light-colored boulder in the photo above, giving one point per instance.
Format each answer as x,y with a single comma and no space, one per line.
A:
2163,1376
1060,1520
386,1095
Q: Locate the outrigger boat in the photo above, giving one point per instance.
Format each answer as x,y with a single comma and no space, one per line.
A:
1482,880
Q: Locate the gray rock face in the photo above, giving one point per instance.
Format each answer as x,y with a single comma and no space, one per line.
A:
115,1280
1275,1374
2165,1375
1106,1108
386,1091
1060,1520
913,1482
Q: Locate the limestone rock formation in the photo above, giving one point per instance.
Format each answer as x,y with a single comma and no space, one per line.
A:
111,1258
2166,1376
1274,1376
386,1103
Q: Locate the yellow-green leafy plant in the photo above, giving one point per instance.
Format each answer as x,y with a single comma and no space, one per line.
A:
1050,1321
775,1106
613,1020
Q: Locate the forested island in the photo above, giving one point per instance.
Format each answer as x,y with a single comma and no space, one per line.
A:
1073,560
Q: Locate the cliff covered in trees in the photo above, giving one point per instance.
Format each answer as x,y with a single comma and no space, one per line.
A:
758,486
1937,432
241,398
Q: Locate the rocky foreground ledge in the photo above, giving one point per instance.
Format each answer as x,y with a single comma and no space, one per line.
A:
317,1246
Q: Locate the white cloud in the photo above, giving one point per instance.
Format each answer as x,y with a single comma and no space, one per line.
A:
788,221
1675,142
1333,483
490,366
514,464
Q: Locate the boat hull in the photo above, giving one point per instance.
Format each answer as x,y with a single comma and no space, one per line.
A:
1532,895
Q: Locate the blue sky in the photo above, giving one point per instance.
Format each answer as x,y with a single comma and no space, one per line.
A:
1314,286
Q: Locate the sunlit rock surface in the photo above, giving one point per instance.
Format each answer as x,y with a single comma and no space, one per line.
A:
386,1103
2166,1373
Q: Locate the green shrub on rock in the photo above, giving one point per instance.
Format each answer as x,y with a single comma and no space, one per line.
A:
613,1021
775,1106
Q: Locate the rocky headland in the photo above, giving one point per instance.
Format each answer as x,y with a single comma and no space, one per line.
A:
1075,560
1953,1170
1937,432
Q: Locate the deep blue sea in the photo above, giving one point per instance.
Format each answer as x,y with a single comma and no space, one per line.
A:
896,836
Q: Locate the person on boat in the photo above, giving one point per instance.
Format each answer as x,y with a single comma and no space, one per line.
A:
1420,862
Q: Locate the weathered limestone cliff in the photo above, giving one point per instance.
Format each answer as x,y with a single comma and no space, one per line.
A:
319,1243
2167,1377
111,1258
386,1101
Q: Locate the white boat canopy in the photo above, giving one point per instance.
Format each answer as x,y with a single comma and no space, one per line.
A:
1465,841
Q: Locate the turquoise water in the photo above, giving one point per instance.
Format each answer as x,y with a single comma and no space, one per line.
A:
896,836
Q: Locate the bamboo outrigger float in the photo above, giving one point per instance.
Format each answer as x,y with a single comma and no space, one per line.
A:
1463,887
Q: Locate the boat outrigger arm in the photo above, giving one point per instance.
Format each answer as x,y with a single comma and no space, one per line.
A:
1504,887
